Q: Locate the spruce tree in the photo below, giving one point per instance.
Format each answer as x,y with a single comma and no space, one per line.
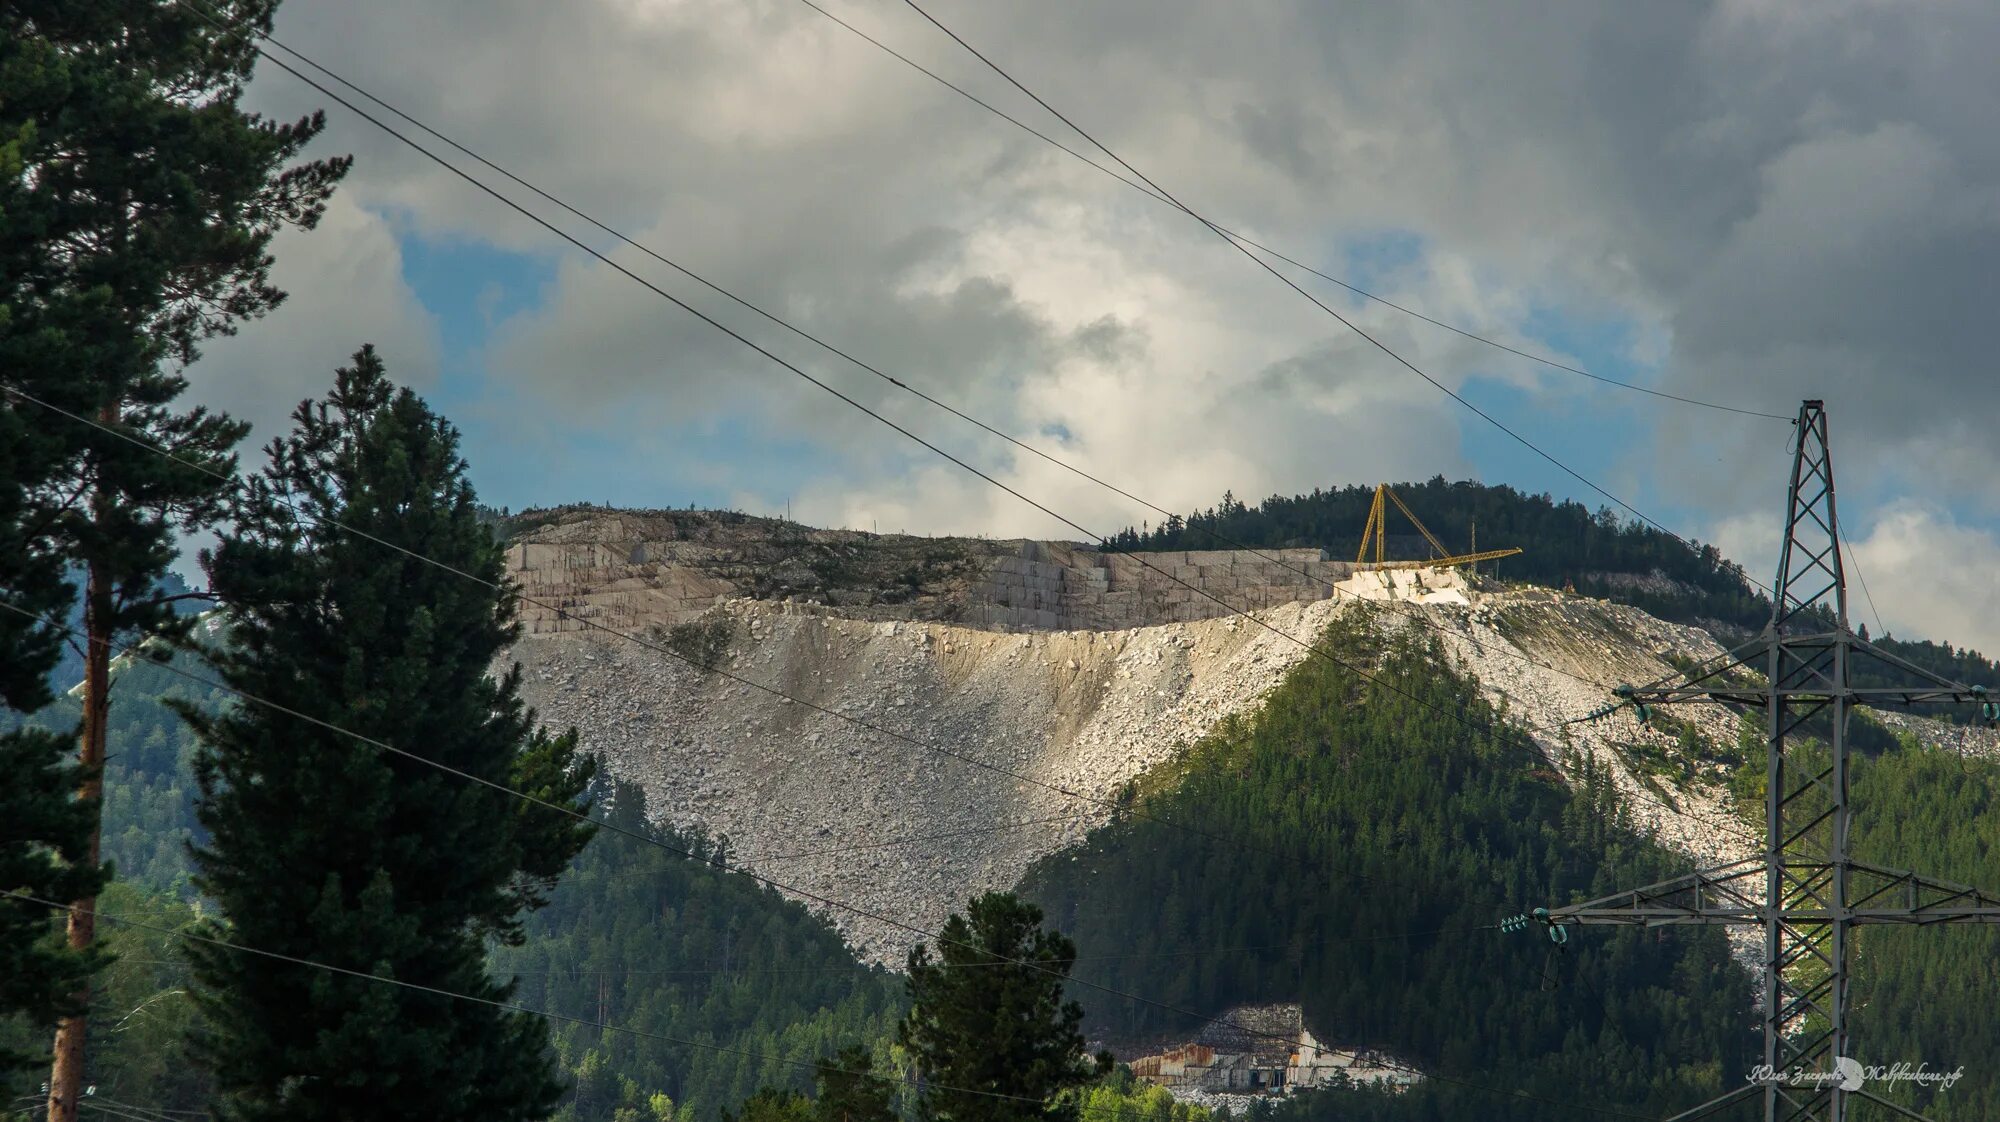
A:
135,216
323,848
993,1039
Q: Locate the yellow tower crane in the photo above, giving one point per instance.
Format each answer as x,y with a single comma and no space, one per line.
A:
1377,531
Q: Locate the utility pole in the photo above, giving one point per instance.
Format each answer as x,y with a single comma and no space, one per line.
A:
1806,891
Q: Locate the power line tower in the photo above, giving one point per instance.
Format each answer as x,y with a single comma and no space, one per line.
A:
1806,891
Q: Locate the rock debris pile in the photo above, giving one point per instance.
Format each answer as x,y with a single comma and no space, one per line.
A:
1023,738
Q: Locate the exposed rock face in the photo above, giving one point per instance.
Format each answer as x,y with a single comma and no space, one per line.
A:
826,800
634,571
808,798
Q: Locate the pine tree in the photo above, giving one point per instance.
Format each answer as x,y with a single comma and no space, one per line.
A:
995,1042
134,225
44,833
323,848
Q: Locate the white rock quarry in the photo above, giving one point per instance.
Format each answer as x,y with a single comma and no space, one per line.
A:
1007,722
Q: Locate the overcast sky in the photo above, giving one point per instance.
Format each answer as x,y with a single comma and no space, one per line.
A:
1748,202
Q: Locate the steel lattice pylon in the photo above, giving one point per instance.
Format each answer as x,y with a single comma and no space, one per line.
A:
1806,891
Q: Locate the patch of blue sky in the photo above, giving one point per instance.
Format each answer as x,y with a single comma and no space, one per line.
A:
470,288
1594,428
1373,261
1597,430
720,463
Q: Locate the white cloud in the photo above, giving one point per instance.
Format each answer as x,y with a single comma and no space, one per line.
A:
1931,576
346,288
1927,573
1782,200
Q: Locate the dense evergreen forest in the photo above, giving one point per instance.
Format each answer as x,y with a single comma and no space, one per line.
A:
1925,995
1598,552
633,936
680,948
1355,813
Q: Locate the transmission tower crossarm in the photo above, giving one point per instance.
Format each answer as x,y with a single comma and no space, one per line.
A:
1733,893
1924,900
1678,695
1805,890
1812,677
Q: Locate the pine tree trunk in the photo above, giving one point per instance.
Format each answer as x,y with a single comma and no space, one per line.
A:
66,1075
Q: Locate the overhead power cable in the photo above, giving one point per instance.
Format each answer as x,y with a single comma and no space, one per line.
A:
1487,728
823,901
1293,285
517,207
1309,647
747,971
1458,716
1854,562
121,1110
1357,290
753,859
1131,811
797,371
603,1026
508,1006
813,897
571,812
1333,589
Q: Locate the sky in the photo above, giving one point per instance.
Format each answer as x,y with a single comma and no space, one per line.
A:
1747,202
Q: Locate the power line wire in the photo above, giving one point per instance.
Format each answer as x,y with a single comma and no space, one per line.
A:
507,1006
100,1106
824,901
1333,588
225,688
510,203
1486,728
845,398
1294,262
1330,940
733,971
152,1110
1289,283
734,861
607,1027
1854,560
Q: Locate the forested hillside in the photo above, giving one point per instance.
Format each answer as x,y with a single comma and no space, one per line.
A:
1600,553
681,949
1354,813
1927,994
1364,842
634,936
